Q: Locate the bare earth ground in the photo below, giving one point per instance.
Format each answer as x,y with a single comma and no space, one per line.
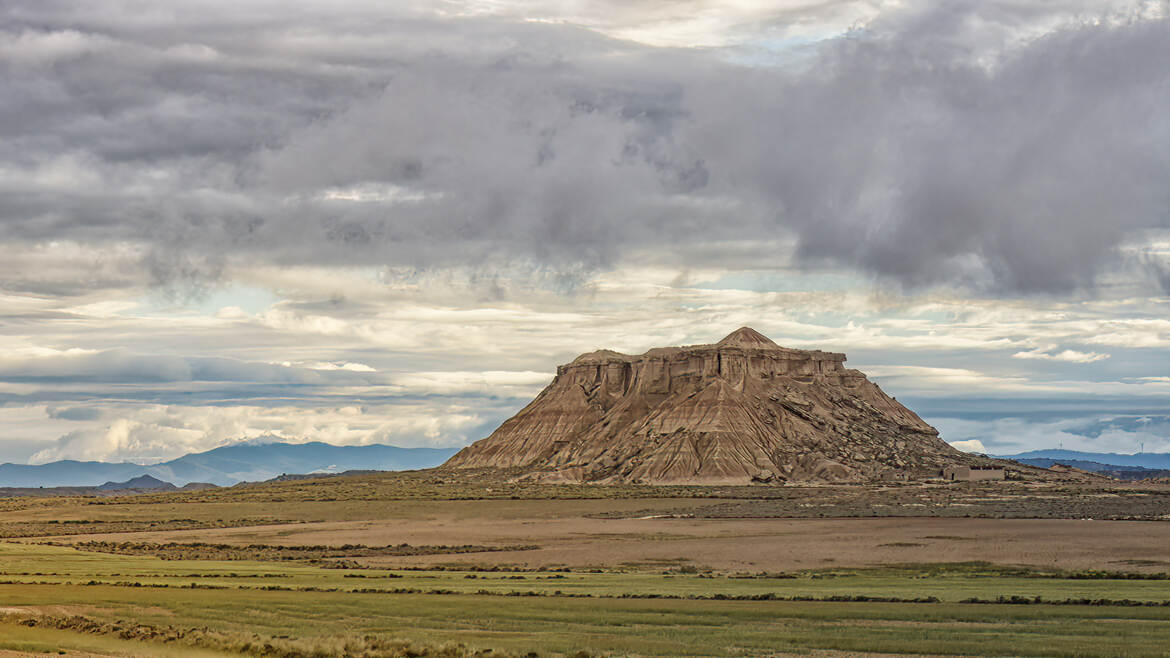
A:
569,533
73,654
662,541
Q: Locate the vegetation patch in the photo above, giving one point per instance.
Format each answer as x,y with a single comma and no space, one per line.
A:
22,529
366,646
277,553
1039,600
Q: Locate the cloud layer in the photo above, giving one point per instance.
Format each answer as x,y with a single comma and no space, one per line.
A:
992,144
388,222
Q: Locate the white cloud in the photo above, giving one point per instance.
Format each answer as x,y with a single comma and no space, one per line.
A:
950,381
508,383
421,347
373,193
152,433
970,445
1071,356
319,365
1011,435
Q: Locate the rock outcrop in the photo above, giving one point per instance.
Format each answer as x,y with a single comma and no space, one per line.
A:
741,410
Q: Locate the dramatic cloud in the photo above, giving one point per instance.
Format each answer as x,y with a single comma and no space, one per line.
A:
946,142
388,222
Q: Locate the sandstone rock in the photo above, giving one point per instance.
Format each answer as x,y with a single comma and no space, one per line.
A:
741,409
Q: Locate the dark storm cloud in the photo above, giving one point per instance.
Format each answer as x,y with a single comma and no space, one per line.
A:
943,143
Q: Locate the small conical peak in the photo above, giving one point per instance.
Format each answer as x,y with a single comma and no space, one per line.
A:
747,337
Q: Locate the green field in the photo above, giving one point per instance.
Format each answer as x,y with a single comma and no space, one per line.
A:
412,564
269,608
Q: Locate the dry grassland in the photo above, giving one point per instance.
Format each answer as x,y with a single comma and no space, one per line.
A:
582,534
392,564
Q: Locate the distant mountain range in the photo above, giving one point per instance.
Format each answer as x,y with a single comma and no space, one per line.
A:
1129,467
254,462
1154,460
228,465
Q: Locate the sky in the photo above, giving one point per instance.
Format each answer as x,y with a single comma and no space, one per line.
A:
370,222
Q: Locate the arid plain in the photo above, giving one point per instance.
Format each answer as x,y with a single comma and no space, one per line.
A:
423,563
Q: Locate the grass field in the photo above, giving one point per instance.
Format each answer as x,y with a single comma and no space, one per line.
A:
415,564
39,564
566,625
250,605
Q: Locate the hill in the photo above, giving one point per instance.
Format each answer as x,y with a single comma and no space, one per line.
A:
739,410
140,483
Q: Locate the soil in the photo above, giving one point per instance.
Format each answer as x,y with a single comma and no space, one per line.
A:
576,533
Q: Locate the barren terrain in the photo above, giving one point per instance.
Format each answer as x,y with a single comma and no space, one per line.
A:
567,534
422,560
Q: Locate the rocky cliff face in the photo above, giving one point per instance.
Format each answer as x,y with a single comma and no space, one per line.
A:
739,410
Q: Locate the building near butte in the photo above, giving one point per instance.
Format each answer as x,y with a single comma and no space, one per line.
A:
975,473
737,411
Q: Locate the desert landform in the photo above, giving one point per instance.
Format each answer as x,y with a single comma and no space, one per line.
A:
737,498
743,409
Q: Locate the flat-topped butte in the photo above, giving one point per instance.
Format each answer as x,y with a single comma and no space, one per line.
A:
740,410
